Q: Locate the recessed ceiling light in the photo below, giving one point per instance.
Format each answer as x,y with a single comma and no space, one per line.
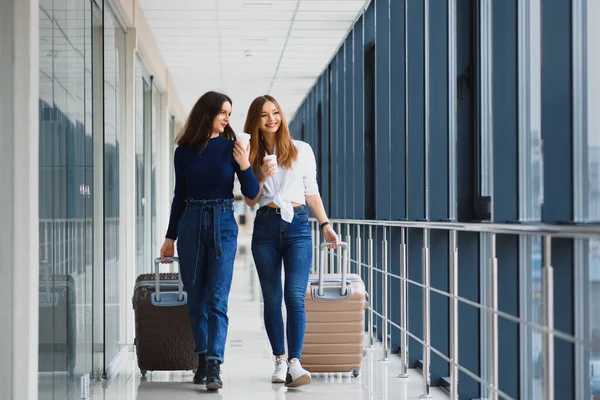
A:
256,5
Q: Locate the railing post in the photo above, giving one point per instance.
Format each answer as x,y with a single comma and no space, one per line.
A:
493,342
331,265
403,308
426,316
358,252
548,343
318,247
348,241
339,250
371,294
453,315
384,336
314,247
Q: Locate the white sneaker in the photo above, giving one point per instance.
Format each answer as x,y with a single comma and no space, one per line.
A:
281,367
296,375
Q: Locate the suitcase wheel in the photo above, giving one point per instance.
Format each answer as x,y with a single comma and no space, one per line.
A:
355,372
143,371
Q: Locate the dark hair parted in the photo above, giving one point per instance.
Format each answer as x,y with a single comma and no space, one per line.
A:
198,128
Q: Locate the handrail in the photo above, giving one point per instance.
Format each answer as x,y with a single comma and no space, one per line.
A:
545,327
573,231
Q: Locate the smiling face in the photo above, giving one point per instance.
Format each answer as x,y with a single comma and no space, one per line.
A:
270,119
222,119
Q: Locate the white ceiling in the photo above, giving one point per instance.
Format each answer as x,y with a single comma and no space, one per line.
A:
246,48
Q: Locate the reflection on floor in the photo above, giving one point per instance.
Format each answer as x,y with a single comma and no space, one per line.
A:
248,365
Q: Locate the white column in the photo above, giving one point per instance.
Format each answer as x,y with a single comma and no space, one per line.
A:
128,185
19,95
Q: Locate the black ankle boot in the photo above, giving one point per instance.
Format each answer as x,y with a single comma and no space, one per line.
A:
200,376
213,372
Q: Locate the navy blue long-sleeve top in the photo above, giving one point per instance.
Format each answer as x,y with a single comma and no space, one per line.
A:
207,176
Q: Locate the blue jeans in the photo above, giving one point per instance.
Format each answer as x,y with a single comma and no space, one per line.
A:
274,241
206,245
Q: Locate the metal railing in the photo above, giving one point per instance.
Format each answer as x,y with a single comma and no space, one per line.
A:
66,243
547,232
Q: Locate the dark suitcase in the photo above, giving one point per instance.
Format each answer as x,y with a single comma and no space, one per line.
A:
57,322
163,335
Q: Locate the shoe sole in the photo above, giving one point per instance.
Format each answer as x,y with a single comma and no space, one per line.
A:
303,380
213,386
278,380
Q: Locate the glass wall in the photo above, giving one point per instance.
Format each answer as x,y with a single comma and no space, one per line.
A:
143,168
66,171
157,129
530,194
590,196
114,88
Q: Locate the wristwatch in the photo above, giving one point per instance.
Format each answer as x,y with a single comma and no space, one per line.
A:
324,224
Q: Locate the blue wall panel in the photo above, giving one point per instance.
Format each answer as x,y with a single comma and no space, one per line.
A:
416,112
506,184
358,125
349,191
416,166
369,23
341,134
382,108
398,110
334,149
557,136
438,181
324,140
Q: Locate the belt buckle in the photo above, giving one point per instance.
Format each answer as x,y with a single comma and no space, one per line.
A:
278,210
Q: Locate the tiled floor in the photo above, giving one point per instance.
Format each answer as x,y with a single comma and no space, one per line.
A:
248,365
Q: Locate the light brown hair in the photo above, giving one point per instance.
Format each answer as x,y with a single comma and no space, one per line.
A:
286,151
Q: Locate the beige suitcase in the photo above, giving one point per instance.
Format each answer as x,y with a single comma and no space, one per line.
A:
335,319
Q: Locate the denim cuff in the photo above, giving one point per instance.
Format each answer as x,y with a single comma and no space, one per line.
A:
219,359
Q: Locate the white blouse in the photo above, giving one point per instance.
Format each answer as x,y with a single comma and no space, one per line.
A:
292,185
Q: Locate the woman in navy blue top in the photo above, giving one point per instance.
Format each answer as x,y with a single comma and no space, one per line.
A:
203,223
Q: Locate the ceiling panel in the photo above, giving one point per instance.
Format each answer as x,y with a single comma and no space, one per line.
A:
247,48
347,16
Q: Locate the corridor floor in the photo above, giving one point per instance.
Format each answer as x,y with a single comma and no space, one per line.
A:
249,364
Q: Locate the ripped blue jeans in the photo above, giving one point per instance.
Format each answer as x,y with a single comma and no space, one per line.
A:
206,245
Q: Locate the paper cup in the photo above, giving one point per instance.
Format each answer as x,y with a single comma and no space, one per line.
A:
271,159
243,138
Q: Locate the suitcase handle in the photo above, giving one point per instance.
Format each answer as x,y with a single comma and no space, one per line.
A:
157,262
345,267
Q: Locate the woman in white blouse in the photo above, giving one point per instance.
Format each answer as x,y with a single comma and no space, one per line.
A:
287,178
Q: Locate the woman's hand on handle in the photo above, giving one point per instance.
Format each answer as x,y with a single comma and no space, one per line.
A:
316,206
330,236
167,250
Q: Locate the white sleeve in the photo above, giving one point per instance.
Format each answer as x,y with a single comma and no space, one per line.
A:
310,171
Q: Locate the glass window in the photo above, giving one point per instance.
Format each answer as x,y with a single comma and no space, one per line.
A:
114,118
591,197
158,129
530,195
142,169
66,188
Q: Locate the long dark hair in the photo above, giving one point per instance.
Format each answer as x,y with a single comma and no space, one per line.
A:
198,128
286,151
